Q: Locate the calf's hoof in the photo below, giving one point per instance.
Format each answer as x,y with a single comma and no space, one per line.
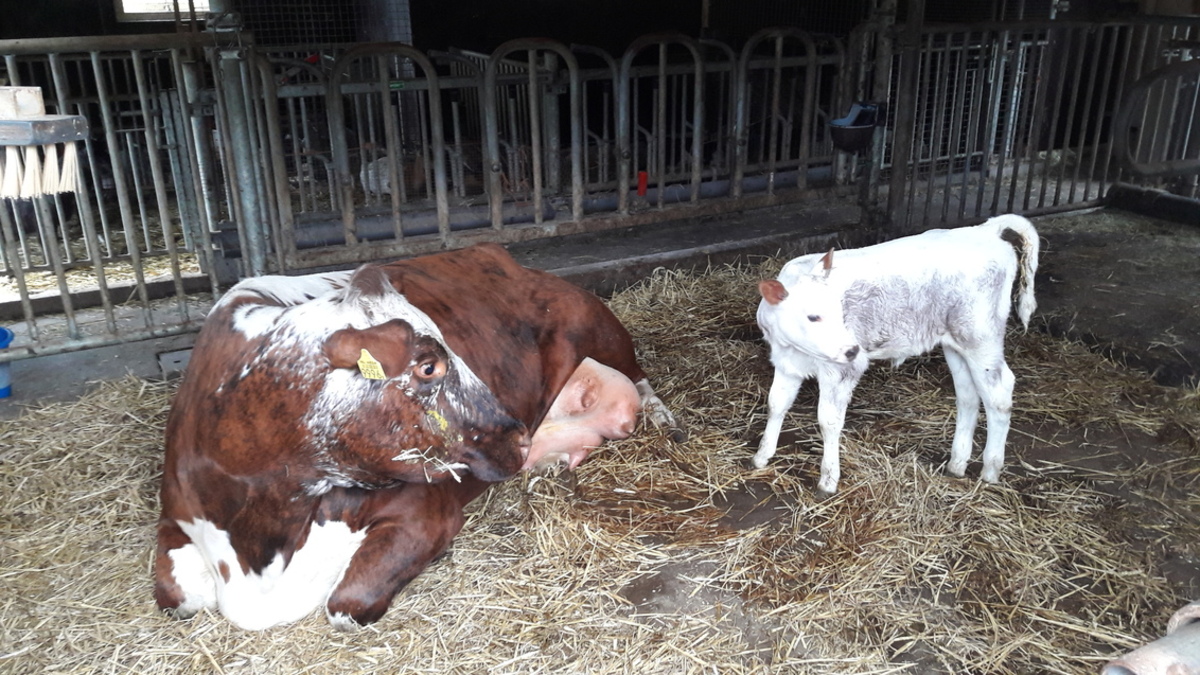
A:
821,494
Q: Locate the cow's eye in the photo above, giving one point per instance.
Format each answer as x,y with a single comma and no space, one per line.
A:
814,318
433,368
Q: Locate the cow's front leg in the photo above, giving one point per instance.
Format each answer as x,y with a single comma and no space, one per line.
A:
780,399
183,580
837,385
407,528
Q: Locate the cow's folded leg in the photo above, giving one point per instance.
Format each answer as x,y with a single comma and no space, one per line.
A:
183,582
410,526
656,411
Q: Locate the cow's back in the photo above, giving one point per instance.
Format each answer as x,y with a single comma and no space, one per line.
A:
523,331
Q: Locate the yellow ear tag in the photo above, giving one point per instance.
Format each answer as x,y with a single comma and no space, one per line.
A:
369,367
437,417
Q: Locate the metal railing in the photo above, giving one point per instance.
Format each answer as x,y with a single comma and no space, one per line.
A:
1019,117
211,160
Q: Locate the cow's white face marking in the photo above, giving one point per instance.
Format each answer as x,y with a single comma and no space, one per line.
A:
314,307
281,594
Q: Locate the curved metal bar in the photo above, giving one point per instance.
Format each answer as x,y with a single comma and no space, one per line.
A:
337,115
624,154
810,83
728,139
495,191
1136,99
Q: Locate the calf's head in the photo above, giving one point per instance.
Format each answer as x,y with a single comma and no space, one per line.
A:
808,315
398,405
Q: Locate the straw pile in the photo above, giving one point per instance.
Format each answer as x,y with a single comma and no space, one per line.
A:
676,558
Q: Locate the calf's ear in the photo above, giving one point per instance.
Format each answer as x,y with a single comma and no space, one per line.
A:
824,265
390,344
772,291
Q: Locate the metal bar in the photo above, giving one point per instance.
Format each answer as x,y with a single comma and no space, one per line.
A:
1118,96
160,184
535,134
17,269
1085,120
232,66
1004,104
660,124
395,152
929,113
286,235
84,204
50,246
122,190
903,137
186,74
1067,133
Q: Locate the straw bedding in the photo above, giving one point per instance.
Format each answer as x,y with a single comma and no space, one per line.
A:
662,557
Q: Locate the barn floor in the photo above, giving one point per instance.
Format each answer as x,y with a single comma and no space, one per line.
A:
678,558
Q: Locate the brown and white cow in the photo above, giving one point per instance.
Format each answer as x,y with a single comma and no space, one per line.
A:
294,480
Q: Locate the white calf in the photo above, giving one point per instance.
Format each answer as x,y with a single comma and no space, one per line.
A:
895,300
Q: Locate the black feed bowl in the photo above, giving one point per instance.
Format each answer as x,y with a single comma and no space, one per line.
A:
851,139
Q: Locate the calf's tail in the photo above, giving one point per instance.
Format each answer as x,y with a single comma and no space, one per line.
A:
1019,232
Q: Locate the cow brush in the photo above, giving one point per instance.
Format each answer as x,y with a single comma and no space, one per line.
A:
30,138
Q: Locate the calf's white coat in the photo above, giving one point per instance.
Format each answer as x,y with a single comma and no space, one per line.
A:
828,316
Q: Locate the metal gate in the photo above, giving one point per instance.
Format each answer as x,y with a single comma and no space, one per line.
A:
211,159
998,118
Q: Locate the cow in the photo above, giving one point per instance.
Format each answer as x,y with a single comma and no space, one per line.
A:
827,316
330,428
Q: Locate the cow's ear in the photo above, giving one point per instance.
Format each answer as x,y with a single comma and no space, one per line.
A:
772,291
389,344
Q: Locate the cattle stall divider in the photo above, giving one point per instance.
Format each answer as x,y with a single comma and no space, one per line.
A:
213,158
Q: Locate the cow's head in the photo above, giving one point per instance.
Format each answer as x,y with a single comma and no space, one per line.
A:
807,315
397,404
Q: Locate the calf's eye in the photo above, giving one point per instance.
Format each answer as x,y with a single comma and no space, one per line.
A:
814,318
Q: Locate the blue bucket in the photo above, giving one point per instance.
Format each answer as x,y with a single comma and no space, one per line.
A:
6,338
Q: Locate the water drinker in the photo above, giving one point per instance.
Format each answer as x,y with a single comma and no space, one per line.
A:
6,338
853,132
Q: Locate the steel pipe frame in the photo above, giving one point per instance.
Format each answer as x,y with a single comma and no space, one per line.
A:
624,151
336,111
493,164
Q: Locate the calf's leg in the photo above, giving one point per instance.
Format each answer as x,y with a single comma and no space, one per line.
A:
967,399
994,381
836,389
783,393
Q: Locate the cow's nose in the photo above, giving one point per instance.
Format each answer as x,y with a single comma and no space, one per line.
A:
851,353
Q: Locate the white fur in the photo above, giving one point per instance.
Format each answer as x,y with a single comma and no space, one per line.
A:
895,300
282,593
195,578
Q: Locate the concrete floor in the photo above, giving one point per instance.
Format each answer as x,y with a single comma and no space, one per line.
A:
1133,290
